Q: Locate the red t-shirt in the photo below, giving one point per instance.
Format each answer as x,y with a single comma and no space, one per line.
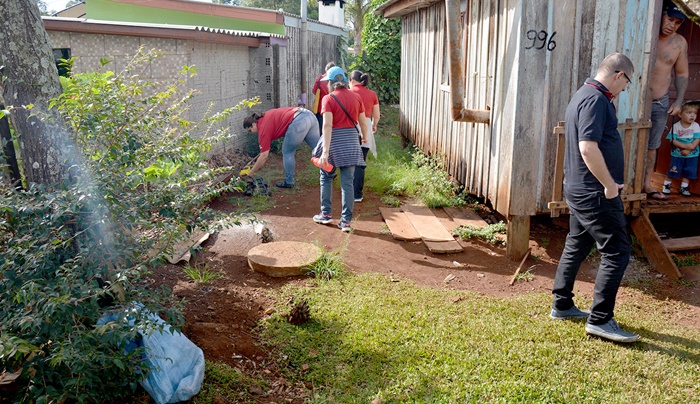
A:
369,98
320,85
273,125
351,101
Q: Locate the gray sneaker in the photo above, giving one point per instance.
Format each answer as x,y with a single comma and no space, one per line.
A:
611,331
572,314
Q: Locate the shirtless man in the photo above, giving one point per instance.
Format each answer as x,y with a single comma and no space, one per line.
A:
671,56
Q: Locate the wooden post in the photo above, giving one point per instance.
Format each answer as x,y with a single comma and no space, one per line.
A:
518,237
558,186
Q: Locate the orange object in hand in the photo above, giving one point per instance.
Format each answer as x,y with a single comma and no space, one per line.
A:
328,167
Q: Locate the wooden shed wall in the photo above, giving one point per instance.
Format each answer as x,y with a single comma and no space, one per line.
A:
586,32
425,99
323,48
527,83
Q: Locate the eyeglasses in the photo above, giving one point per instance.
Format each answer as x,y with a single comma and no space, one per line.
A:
624,74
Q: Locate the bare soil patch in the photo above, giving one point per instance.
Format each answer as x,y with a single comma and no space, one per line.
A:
221,316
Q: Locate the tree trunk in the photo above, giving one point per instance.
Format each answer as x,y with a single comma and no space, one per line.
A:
32,78
357,38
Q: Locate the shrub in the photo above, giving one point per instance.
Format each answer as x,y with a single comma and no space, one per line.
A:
80,251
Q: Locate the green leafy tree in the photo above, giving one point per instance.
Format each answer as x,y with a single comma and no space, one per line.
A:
355,11
381,55
78,252
289,6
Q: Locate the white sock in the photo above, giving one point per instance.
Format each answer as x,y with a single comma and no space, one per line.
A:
667,182
684,185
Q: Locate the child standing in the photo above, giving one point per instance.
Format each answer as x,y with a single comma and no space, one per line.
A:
685,137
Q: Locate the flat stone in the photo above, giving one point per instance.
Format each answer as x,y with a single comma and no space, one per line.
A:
283,258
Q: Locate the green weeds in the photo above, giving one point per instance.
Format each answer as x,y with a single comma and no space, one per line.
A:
201,274
487,233
330,265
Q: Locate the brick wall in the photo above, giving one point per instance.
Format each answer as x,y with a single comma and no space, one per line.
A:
223,71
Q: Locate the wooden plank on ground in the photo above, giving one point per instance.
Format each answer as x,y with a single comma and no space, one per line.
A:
690,274
682,244
182,249
465,217
654,249
443,247
426,224
399,225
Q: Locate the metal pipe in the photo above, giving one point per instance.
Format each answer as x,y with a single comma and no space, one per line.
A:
456,58
304,50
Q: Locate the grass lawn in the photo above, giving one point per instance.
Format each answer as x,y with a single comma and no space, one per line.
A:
373,338
370,338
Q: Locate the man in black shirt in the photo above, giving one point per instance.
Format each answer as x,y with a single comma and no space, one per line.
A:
593,179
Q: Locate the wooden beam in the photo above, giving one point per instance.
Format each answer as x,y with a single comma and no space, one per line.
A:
625,198
682,244
656,253
402,7
517,237
558,185
666,207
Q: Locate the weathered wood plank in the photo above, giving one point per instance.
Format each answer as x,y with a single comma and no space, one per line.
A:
426,224
653,248
443,247
465,217
399,225
682,244
625,198
690,274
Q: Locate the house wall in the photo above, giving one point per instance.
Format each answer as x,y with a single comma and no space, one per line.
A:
223,71
524,60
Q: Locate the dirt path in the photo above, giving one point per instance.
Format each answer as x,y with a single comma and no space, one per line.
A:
222,315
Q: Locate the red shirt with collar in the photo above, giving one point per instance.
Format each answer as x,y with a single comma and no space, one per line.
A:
369,98
273,125
351,101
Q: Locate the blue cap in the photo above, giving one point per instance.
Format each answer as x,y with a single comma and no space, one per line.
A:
673,11
333,73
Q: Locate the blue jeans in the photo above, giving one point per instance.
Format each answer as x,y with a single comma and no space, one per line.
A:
347,175
659,117
304,128
605,226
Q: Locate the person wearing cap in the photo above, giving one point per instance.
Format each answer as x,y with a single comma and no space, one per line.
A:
671,58
342,111
296,124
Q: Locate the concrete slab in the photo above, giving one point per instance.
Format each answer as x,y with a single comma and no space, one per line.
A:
283,258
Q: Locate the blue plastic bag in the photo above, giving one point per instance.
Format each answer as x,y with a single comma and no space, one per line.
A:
177,363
